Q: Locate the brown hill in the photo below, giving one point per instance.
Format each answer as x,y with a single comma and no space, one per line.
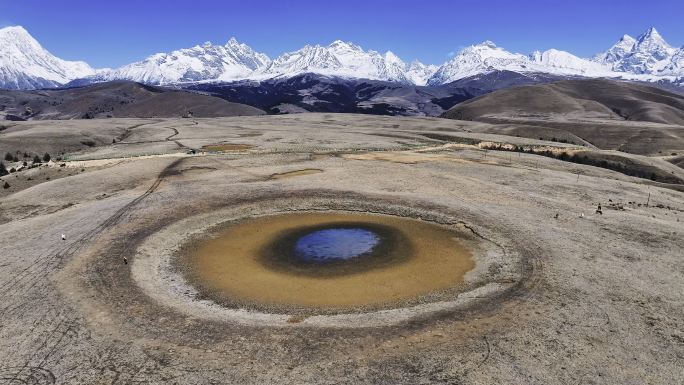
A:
594,98
116,100
608,114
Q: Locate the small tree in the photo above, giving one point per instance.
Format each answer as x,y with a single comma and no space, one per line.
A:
9,157
15,159
6,185
36,159
3,170
46,157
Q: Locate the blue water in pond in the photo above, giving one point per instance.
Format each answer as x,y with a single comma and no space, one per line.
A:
335,244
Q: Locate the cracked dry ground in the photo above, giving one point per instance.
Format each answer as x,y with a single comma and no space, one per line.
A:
601,303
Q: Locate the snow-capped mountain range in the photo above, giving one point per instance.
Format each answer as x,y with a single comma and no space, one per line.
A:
648,54
647,58
25,64
202,62
342,59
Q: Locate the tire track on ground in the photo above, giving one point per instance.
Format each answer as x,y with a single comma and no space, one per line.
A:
11,284
56,336
28,272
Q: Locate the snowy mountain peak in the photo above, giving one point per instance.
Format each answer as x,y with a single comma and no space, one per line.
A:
564,63
618,51
344,44
488,44
476,59
652,35
390,57
487,57
650,53
419,73
25,64
344,59
14,30
340,47
651,41
202,62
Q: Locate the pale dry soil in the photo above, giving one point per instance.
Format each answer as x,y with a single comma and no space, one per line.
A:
598,299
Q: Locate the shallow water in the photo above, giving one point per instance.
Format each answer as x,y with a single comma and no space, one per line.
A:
226,147
328,245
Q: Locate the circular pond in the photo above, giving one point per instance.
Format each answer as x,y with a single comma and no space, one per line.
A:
328,260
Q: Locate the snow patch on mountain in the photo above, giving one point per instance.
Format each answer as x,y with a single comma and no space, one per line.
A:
675,66
564,63
419,73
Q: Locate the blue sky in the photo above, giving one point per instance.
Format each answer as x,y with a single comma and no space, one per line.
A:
112,33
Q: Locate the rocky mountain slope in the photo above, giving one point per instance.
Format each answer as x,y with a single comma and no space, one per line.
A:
319,93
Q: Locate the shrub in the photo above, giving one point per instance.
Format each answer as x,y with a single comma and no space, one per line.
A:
8,157
36,159
626,169
15,159
6,186
46,157
3,170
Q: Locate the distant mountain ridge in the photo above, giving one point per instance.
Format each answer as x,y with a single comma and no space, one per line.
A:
648,54
208,61
24,64
647,58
